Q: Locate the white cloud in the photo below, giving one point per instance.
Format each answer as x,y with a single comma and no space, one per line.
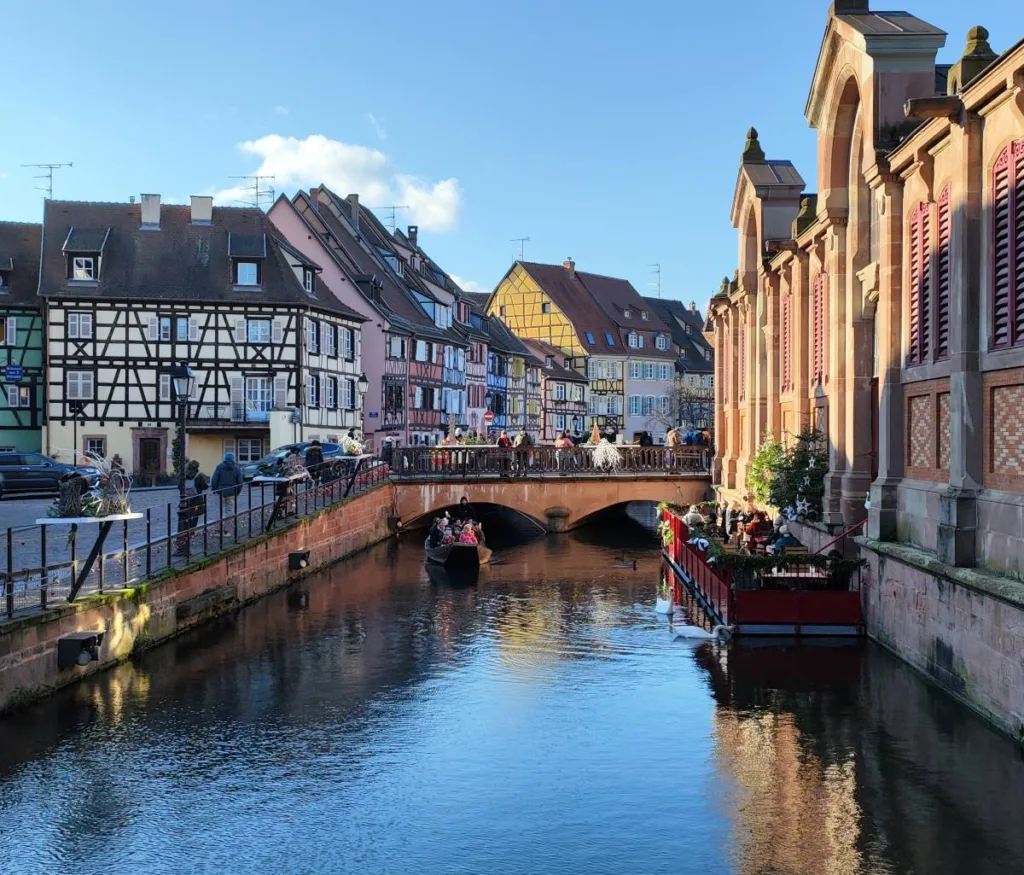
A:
347,169
467,285
378,126
281,110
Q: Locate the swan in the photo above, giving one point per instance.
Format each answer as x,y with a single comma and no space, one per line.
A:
719,633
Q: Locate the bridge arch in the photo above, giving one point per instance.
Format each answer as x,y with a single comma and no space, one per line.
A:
557,503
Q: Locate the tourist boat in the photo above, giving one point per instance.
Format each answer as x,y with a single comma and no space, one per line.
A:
459,555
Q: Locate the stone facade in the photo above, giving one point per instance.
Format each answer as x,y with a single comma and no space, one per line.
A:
889,314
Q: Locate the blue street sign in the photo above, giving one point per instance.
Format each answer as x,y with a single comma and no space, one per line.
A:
13,373
373,414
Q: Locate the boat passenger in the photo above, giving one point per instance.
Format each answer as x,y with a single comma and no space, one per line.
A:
465,510
436,534
468,535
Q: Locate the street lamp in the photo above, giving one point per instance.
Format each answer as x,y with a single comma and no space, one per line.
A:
183,380
362,384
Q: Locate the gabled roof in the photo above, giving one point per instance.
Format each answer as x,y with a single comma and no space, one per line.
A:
20,244
501,339
557,370
678,316
179,261
569,294
476,300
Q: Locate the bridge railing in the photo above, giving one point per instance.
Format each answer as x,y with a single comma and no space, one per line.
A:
484,461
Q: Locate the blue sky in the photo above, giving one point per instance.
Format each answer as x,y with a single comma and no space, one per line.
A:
604,131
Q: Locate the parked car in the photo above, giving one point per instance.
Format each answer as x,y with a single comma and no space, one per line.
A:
34,472
274,458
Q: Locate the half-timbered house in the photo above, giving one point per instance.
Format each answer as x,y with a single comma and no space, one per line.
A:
21,337
133,289
563,392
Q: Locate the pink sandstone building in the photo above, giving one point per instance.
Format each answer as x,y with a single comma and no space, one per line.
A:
887,310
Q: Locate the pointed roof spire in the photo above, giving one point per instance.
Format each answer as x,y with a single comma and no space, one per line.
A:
752,150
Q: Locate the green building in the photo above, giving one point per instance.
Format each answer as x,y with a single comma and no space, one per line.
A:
21,337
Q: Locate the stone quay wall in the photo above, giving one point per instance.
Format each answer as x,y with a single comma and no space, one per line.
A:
153,612
963,628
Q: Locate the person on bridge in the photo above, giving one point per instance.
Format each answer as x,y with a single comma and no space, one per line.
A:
227,483
315,460
646,440
503,440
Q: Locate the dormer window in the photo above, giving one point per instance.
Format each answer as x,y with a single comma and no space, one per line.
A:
83,268
608,337
661,341
689,329
644,315
549,361
307,281
627,313
565,364
5,284
634,341
247,273
395,264
590,338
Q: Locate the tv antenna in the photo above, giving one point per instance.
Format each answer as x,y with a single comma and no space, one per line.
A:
522,241
47,174
257,190
657,272
392,223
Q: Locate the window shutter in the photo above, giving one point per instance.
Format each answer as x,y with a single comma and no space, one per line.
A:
237,387
165,387
281,392
350,390
1002,215
239,331
12,396
85,327
920,285
418,398
193,330
818,351
1018,236
743,360
942,277
787,341
12,331
277,332
154,328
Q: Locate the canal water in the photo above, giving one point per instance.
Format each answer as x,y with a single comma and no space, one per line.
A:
376,721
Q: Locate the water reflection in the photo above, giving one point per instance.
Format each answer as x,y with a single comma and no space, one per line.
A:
543,721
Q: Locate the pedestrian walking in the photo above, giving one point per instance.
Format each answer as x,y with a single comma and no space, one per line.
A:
226,483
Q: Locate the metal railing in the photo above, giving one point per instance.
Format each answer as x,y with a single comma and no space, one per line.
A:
41,565
483,461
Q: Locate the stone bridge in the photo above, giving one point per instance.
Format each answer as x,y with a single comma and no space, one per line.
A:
557,491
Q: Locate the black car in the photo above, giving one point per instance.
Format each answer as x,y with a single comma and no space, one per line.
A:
274,458
34,472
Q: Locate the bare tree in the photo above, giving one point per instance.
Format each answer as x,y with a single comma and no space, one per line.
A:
689,408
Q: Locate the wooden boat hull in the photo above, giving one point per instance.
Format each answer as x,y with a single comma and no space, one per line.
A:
459,555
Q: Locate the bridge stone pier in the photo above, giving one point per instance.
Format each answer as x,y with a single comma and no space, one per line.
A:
557,503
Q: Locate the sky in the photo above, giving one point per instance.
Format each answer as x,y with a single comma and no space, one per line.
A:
604,131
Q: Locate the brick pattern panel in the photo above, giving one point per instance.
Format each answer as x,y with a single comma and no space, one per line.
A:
1008,430
926,444
920,432
1003,436
944,428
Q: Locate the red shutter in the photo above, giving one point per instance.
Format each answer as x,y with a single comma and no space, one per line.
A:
726,357
743,360
1001,267
1018,237
787,342
942,277
920,285
818,341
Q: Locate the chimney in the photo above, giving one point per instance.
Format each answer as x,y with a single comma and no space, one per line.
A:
151,212
570,266
414,231
202,209
693,306
845,7
353,200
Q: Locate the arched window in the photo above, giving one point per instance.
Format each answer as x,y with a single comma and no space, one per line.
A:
818,329
787,341
1008,250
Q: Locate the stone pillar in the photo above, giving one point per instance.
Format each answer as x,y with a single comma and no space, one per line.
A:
721,432
958,513
836,368
732,407
884,513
